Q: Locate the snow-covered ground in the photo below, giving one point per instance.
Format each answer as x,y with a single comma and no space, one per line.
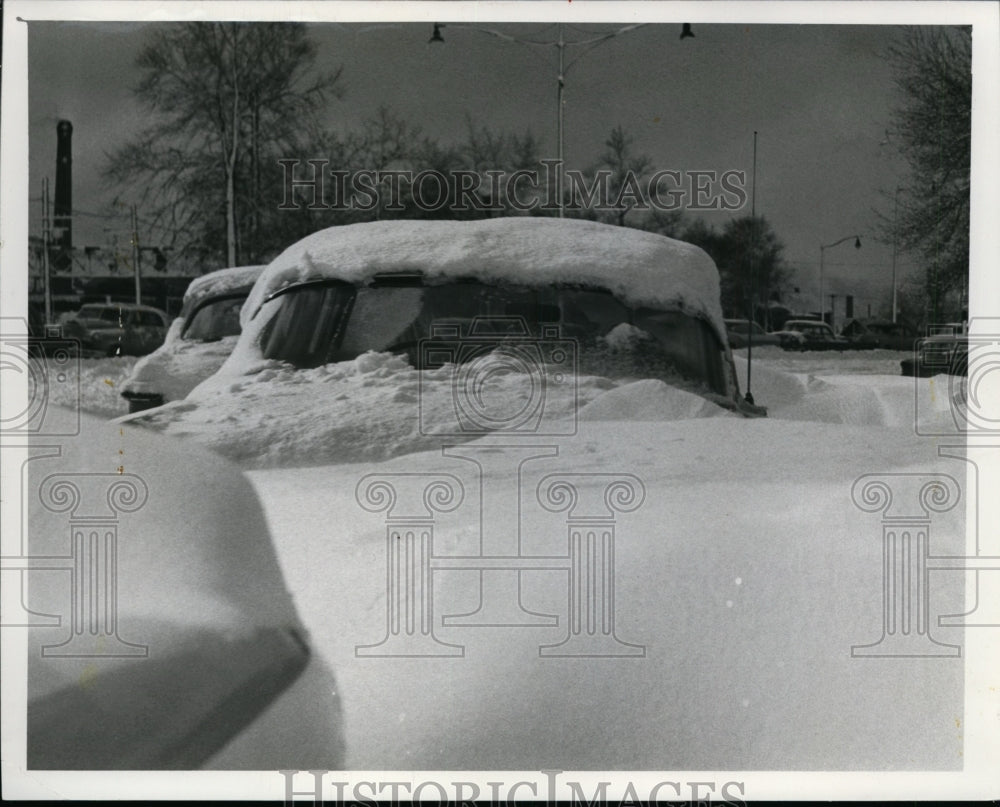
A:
99,390
101,378
746,573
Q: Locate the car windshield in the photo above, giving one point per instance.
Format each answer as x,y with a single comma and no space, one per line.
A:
215,319
332,321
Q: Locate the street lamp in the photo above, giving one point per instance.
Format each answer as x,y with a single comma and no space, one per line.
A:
822,249
562,67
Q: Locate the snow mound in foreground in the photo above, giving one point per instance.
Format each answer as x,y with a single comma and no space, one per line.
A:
928,405
650,399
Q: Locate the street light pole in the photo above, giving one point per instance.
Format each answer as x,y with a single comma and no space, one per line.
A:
563,67
822,249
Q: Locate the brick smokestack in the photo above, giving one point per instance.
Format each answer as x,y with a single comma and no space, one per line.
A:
63,208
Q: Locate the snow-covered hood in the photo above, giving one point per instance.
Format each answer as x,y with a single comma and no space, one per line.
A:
640,268
178,366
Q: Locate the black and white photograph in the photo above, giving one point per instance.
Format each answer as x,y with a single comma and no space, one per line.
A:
500,401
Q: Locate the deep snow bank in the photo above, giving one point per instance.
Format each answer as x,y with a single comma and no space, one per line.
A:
378,406
863,399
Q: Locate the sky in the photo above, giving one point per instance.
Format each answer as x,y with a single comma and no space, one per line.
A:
819,96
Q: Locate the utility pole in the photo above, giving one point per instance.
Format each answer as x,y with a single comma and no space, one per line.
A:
753,257
895,218
46,240
822,250
561,80
135,256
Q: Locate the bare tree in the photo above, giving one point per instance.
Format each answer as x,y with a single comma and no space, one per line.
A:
224,99
626,168
933,131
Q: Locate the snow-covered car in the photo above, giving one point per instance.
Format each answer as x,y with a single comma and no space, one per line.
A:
198,341
541,545
807,334
737,331
117,329
159,642
404,304
940,354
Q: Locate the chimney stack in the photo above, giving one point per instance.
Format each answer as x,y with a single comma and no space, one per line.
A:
63,208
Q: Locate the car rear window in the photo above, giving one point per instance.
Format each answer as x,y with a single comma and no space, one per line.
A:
332,321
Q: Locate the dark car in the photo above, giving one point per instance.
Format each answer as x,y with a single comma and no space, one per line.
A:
940,354
879,334
737,331
807,334
117,329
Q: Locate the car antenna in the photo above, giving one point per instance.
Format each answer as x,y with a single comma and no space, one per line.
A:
753,258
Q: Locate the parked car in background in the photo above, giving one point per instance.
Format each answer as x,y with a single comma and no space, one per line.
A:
882,334
737,331
117,329
943,353
198,341
807,334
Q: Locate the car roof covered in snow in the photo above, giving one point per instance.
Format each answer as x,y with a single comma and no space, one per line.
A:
222,281
641,268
